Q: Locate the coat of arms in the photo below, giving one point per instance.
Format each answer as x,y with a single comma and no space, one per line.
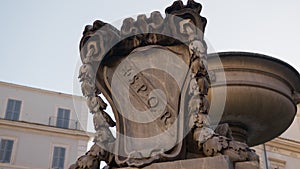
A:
153,73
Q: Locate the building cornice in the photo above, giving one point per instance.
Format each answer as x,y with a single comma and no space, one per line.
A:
284,146
27,88
44,129
13,166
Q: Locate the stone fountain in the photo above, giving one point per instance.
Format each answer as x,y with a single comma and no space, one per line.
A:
262,94
174,105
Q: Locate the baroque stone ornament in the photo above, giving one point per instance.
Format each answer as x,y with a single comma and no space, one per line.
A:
154,74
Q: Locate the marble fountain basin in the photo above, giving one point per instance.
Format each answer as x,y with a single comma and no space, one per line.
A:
255,94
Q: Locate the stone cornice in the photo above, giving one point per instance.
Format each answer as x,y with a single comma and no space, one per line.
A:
284,146
26,88
12,166
43,129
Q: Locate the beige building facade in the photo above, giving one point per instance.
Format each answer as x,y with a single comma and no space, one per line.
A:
40,129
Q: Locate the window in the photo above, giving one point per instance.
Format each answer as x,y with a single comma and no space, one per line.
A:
63,117
58,161
13,109
6,147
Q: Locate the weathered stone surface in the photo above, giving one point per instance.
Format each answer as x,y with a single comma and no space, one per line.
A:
247,165
218,162
258,88
155,75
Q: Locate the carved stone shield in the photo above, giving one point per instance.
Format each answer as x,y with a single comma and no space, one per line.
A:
144,71
145,88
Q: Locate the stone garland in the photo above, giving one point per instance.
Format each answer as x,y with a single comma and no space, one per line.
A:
211,143
101,120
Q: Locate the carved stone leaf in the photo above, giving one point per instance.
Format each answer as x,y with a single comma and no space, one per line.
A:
194,105
238,151
128,27
234,155
203,85
104,135
204,105
193,88
102,119
236,145
201,135
87,162
202,120
195,67
212,146
88,88
86,72
96,103
224,130
197,48
95,151
224,141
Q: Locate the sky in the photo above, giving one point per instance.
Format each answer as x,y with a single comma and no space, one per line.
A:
39,39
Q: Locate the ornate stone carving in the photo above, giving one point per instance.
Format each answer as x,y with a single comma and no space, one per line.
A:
211,143
141,109
87,161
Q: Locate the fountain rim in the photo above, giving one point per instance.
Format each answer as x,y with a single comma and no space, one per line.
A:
240,54
252,54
